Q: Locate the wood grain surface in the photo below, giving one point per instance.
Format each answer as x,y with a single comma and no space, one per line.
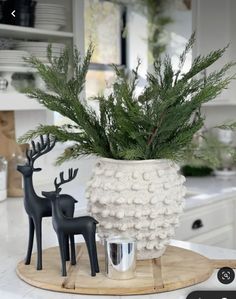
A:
177,268
10,149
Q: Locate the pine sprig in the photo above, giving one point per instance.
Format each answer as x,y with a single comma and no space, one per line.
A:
211,152
158,123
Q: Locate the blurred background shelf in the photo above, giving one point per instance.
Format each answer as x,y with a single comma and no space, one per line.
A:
18,69
220,102
18,102
19,32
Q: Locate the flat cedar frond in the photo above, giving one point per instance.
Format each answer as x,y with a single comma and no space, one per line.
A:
73,152
158,123
211,152
202,62
132,153
60,133
168,73
230,126
187,49
182,57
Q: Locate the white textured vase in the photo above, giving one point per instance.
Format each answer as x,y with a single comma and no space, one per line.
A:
140,199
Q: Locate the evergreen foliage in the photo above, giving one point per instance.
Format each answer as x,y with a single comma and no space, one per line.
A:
155,11
158,20
158,123
211,152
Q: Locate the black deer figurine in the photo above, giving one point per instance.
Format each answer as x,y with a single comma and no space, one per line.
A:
65,226
38,207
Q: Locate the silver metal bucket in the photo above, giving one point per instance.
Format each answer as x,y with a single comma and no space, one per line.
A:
120,257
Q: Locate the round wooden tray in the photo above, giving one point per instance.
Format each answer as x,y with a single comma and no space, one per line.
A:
177,268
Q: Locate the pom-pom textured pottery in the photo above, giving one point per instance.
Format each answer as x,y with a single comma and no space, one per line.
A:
141,199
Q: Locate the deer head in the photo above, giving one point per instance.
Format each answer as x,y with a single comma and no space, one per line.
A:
54,194
43,146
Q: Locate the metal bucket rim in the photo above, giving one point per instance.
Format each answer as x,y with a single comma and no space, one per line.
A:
123,240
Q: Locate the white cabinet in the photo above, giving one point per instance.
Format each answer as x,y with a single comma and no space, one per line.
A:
20,32
72,34
214,24
13,100
212,224
221,237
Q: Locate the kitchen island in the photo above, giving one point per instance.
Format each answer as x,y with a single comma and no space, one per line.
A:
13,240
210,189
209,216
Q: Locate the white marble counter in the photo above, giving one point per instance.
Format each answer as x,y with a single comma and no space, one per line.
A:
205,190
13,241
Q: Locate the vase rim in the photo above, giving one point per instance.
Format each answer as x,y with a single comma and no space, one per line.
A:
148,161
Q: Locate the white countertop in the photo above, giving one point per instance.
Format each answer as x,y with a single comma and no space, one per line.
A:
13,242
205,190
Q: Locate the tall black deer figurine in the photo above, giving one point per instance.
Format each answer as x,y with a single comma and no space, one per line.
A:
68,226
38,207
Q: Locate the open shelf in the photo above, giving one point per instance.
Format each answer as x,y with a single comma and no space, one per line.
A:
18,101
18,69
19,32
219,102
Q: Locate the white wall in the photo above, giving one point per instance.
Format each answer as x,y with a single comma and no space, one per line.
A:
27,120
214,22
178,33
137,43
137,46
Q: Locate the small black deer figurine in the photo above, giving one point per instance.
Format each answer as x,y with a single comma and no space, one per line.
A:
65,226
39,207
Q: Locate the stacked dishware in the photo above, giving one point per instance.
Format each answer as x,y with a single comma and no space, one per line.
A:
39,49
6,43
50,16
24,12
11,61
13,57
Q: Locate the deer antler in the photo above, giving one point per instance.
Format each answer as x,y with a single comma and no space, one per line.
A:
40,148
71,175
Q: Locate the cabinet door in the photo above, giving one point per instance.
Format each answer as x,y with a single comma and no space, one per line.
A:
213,19
205,219
222,237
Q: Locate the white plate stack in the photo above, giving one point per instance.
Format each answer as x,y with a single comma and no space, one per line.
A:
13,58
50,16
39,49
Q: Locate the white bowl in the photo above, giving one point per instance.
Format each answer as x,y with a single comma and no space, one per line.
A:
48,27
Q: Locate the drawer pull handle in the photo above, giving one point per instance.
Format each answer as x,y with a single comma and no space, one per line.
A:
197,224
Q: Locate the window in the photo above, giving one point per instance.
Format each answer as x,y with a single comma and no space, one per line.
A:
104,25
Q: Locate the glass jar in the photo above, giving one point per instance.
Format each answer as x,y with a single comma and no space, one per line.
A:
3,178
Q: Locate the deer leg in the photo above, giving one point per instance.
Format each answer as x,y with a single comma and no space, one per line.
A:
38,229
95,255
66,247
30,241
89,243
69,212
61,240
72,250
